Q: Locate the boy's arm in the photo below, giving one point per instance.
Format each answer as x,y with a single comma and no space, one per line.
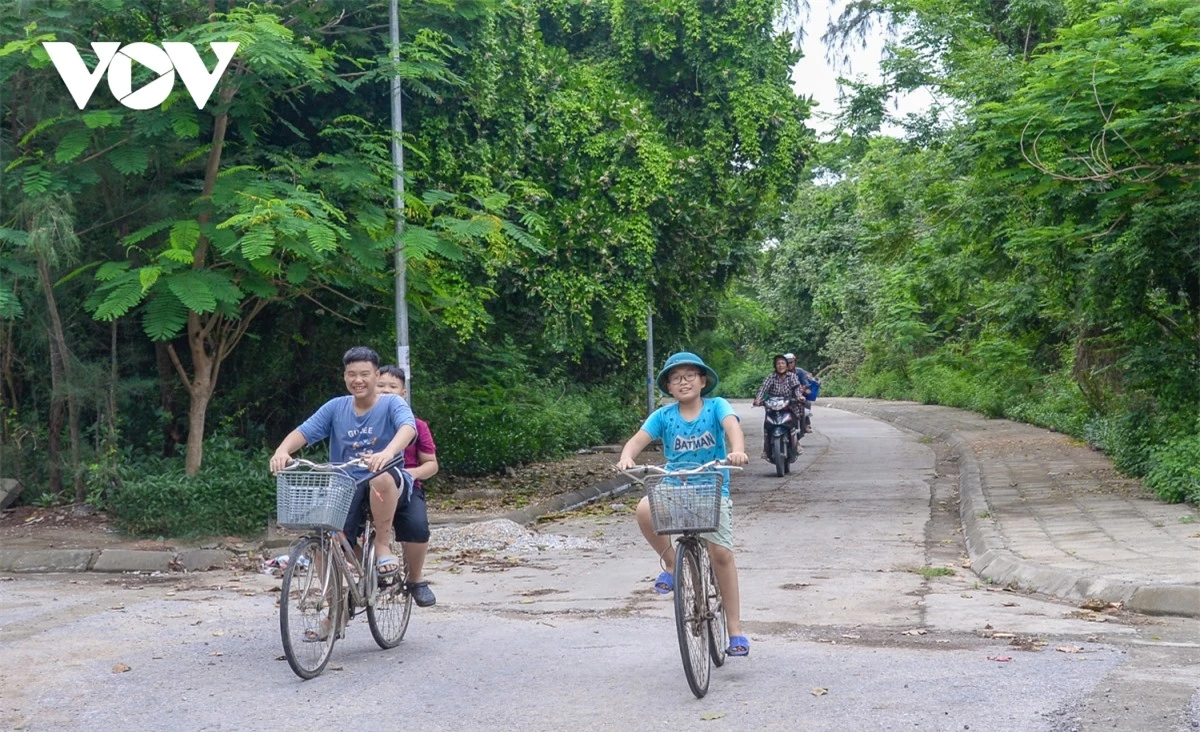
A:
293,442
426,467
427,462
640,440
404,435
401,415
735,440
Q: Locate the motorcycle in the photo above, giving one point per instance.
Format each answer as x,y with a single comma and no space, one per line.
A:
782,433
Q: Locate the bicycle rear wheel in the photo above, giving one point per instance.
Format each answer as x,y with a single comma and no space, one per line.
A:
718,633
690,622
309,607
389,612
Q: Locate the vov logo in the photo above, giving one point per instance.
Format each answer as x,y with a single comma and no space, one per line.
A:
118,61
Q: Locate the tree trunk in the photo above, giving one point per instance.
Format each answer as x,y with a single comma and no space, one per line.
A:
197,412
207,348
7,380
203,382
73,429
60,362
54,438
114,375
172,433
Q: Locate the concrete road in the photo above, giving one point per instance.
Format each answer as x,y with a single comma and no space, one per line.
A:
860,613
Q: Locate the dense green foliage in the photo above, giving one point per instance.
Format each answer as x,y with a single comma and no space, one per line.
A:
155,497
1033,254
568,166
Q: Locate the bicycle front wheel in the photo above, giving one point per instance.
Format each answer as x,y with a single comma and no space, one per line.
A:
691,622
718,633
389,612
309,607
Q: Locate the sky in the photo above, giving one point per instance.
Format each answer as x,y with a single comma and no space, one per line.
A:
816,77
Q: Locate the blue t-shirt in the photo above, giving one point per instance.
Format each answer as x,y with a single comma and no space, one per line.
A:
352,436
688,444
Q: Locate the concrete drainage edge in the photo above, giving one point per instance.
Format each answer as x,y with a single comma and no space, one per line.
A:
994,562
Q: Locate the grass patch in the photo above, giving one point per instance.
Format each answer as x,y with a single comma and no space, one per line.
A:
931,572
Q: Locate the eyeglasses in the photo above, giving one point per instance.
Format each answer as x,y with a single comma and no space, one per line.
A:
689,377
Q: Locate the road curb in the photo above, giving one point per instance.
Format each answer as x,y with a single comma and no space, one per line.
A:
21,561
993,561
47,560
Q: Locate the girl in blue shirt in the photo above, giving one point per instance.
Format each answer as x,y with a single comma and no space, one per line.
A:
693,431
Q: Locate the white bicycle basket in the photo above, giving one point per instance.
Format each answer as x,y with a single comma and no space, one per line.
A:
313,499
685,502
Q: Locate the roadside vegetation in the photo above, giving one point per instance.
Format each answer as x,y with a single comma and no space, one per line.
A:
1028,249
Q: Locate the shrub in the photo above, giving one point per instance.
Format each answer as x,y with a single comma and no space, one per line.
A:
742,380
485,428
1174,473
837,385
1057,404
232,494
884,385
1127,437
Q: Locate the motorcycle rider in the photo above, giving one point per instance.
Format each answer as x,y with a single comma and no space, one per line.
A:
781,383
810,383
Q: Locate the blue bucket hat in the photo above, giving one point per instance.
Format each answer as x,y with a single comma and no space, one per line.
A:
690,359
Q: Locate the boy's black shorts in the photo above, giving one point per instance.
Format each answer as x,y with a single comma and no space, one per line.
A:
411,522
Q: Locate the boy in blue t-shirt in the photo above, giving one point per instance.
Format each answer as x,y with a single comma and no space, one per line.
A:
694,431
365,424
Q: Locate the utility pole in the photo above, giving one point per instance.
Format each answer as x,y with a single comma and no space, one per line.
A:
398,203
649,359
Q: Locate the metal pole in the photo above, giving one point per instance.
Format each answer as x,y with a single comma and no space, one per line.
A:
649,359
398,203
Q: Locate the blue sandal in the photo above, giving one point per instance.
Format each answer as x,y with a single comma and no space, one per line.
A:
739,645
665,584
387,565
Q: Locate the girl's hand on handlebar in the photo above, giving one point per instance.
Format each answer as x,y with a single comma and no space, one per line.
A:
738,458
626,463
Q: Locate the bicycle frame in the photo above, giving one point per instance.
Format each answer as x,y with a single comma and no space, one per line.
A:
363,590
699,608
333,578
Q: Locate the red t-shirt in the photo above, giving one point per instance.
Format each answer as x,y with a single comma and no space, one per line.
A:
423,443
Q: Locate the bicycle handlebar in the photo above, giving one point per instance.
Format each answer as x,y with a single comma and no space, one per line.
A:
302,463
637,470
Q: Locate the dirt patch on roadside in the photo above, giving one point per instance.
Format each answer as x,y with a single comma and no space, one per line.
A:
62,527
519,487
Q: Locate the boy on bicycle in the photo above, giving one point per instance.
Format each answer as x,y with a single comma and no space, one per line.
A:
412,517
369,425
693,431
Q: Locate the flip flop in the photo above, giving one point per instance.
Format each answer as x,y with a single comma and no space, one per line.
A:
387,565
739,645
665,584
313,636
